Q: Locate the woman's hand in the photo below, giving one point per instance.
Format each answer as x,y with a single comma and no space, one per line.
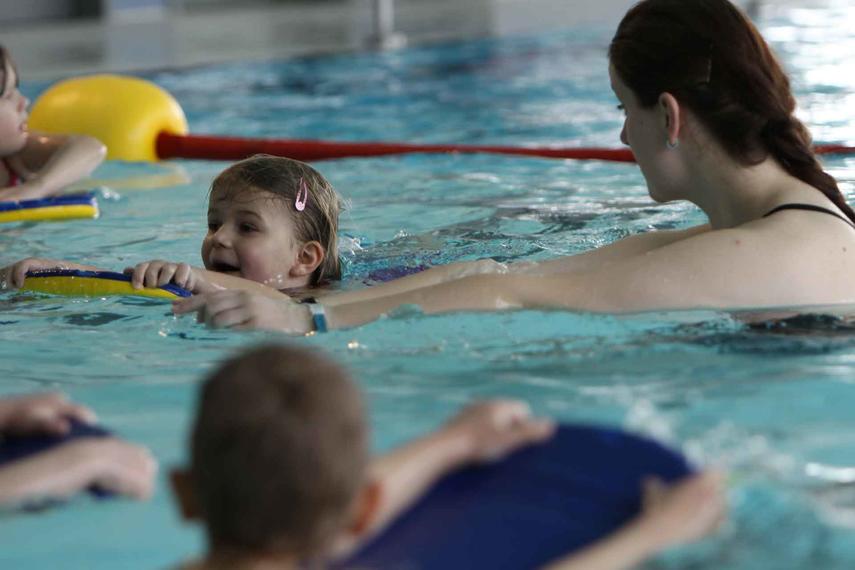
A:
50,413
157,273
491,430
13,276
246,310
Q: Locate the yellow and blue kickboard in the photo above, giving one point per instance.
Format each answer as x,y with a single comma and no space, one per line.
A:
65,207
78,283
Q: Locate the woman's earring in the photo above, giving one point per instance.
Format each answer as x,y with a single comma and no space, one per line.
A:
672,145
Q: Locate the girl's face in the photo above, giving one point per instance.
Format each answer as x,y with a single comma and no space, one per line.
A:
251,235
13,114
645,132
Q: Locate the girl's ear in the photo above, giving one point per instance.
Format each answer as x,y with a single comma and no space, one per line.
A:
310,255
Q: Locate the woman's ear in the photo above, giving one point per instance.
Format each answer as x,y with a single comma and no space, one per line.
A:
185,495
670,108
366,507
310,255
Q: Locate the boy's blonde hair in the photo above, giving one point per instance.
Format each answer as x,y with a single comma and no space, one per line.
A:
278,452
318,221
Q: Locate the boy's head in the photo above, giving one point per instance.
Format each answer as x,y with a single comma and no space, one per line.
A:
279,452
273,220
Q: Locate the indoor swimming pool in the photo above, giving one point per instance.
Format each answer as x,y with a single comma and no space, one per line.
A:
773,405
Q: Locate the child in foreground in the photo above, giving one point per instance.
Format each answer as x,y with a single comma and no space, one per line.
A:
272,226
280,473
33,165
61,471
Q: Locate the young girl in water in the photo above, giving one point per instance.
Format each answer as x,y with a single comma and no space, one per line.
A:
272,226
33,165
710,119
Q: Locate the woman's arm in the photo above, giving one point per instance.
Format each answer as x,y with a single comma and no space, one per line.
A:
49,163
589,260
725,269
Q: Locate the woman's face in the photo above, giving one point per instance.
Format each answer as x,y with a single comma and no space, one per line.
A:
645,132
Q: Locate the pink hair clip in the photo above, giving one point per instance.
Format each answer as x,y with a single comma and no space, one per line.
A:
302,196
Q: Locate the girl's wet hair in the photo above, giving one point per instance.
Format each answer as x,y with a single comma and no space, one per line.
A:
709,55
284,178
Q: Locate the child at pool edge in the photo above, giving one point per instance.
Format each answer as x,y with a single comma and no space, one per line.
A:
272,226
34,165
61,471
280,473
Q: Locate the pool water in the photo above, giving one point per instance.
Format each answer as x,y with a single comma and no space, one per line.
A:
773,405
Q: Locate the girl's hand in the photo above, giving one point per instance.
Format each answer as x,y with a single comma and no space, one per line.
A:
157,273
245,310
50,413
13,276
491,430
685,511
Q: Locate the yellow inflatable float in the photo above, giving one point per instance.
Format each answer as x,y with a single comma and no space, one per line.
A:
125,113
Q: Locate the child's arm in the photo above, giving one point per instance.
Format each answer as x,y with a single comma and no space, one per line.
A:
157,273
482,432
49,163
49,413
13,276
107,463
685,512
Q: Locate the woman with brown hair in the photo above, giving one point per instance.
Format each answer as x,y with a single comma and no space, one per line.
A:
709,117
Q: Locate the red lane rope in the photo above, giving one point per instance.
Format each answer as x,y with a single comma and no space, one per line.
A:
233,148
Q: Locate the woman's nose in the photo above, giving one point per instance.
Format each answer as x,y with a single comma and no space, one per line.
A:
623,138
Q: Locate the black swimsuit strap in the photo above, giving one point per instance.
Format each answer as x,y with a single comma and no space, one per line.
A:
809,208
